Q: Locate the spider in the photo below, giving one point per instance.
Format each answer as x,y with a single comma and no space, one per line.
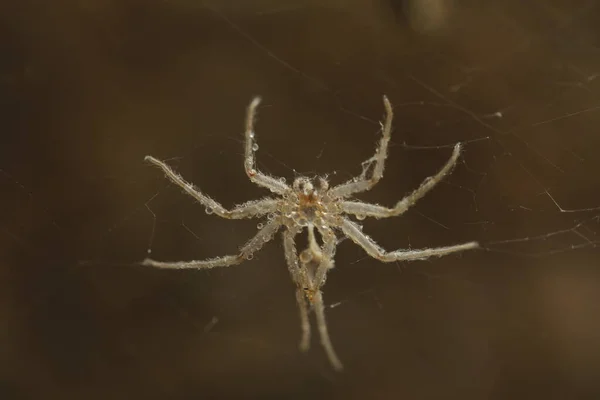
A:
312,205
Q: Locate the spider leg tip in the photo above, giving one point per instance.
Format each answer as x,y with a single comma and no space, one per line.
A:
255,101
304,346
338,367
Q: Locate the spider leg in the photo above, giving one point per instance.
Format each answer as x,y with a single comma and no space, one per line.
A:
304,320
250,209
246,251
273,184
319,307
377,211
353,231
291,256
302,282
308,285
361,183
322,258
209,263
326,254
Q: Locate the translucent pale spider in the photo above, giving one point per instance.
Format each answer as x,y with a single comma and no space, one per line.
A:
312,204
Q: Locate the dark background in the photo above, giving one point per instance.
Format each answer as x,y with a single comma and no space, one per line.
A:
88,88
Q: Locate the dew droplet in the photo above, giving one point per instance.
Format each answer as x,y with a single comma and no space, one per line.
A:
305,257
360,217
251,134
259,225
254,147
248,256
282,180
209,210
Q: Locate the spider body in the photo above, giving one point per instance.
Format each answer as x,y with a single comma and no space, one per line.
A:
312,205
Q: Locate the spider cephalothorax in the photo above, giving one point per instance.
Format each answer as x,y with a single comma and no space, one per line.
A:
308,203
312,205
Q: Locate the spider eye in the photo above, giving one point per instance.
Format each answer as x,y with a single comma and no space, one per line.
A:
298,184
308,188
303,185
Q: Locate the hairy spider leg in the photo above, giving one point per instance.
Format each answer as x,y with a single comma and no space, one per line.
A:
374,210
361,183
251,209
354,233
246,252
276,185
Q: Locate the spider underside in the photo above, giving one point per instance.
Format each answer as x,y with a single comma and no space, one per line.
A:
312,204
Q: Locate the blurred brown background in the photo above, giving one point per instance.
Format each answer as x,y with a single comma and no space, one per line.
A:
88,88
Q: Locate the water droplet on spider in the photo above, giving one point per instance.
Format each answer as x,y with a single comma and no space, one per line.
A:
259,225
282,180
270,216
254,147
248,256
251,135
209,210
360,217
305,257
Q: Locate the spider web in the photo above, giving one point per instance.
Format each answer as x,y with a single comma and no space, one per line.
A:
83,209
